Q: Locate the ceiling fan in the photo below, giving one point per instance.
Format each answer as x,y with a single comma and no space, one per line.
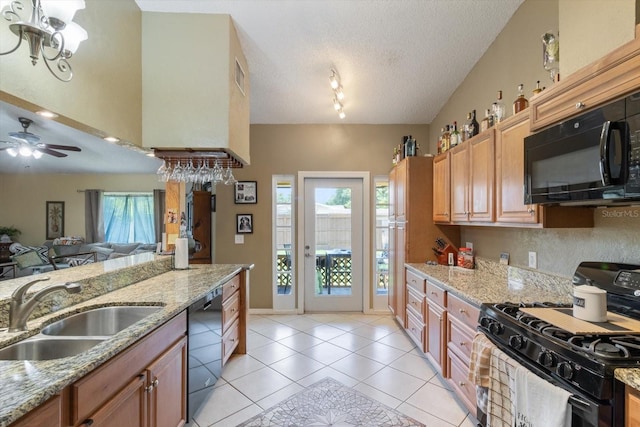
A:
27,143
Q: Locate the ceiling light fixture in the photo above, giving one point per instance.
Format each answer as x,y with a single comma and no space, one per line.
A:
338,93
111,139
49,31
47,114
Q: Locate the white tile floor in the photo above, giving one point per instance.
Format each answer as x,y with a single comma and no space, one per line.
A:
367,352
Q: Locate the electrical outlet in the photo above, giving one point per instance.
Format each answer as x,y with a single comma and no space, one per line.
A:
469,245
533,260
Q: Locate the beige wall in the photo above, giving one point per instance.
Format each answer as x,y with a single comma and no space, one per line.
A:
514,57
23,199
288,149
592,28
104,96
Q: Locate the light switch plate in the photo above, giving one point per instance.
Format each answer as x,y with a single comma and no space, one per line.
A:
469,245
239,239
533,260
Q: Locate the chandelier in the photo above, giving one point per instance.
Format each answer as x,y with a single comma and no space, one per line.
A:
49,31
338,93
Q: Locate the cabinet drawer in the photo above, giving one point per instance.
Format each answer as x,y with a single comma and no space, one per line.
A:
460,338
230,287
49,414
230,311
463,311
230,341
416,282
416,302
415,328
465,389
436,294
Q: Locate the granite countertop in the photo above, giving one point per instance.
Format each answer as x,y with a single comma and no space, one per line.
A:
24,385
492,283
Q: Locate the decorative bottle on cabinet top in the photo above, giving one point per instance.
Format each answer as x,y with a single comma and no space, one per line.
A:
499,112
473,126
521,102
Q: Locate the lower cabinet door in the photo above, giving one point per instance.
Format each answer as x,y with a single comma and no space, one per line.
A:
458,378
48,414
167,398
127,408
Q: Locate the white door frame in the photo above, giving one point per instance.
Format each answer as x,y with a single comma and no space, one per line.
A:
366,235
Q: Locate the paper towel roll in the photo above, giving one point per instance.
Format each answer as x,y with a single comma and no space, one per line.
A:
182,254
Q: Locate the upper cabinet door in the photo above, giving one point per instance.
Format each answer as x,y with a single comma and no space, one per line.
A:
460,183
441,189
481,178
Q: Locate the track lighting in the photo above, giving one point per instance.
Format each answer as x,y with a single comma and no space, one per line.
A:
338,93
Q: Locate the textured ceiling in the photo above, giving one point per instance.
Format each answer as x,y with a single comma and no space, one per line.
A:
399,60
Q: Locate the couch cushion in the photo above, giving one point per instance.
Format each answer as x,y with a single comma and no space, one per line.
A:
101,253
27,259
65,250
124,248
41,251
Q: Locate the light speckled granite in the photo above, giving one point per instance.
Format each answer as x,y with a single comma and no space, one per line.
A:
26,384
629,376
491,282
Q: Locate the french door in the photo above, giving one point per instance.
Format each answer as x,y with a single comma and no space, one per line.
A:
332,244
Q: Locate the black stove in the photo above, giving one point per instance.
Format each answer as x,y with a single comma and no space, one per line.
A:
583,364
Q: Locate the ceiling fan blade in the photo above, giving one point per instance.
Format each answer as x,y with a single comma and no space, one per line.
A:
51,152
59,147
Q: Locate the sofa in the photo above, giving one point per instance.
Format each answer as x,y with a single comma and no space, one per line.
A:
68,252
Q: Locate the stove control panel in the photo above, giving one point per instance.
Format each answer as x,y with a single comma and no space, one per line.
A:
628,279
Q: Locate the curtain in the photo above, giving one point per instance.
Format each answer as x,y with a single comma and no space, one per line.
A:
93,219
158,213
128,218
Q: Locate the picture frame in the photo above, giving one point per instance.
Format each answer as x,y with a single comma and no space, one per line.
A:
246,192
244,223
55,220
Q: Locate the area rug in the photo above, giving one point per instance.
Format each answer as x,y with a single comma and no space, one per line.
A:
330,403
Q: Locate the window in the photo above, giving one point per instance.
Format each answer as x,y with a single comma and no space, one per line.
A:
128,217
381,241
283,233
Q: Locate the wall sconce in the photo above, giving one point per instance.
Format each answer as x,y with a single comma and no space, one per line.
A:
49,31
338,93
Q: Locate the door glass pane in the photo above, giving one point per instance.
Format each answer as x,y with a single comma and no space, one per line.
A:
381,275
333,241
283,237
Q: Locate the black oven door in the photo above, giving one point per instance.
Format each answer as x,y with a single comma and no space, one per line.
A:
581,159
585,410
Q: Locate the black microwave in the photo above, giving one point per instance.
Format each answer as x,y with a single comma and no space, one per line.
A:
592,159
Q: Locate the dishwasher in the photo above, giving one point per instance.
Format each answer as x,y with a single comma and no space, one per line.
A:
204,359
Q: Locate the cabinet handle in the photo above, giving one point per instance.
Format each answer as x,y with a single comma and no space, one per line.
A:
433,293
155,383
580,105
531,211
87,422
462,310
462,383
463,343
446,214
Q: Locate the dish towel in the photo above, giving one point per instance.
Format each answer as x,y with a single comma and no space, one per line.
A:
538,403
480,361
500,403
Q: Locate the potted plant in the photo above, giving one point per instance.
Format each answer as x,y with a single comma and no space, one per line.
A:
6,233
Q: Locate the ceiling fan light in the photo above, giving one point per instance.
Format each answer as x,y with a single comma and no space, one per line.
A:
25,151
37,154
341,114
12,152
337,105
339,93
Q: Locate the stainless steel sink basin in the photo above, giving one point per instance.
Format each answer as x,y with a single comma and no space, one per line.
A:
100,321
47,349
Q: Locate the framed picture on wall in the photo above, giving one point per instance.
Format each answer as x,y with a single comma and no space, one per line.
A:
244,223
246,192
55,220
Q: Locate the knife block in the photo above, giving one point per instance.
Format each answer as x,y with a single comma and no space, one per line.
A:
444,258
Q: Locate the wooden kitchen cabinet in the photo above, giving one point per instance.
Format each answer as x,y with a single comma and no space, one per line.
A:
472,179
126,383
510,207
412,231
613,76
49,414
199,225
416,309
461,324
436,327
442,188
631,407
234,317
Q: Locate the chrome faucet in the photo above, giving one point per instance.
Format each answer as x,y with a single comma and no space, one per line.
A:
20,309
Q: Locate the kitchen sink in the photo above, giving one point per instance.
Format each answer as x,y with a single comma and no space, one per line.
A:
47,349
103,321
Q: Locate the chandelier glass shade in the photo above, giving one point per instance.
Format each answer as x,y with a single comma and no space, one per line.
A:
49,31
